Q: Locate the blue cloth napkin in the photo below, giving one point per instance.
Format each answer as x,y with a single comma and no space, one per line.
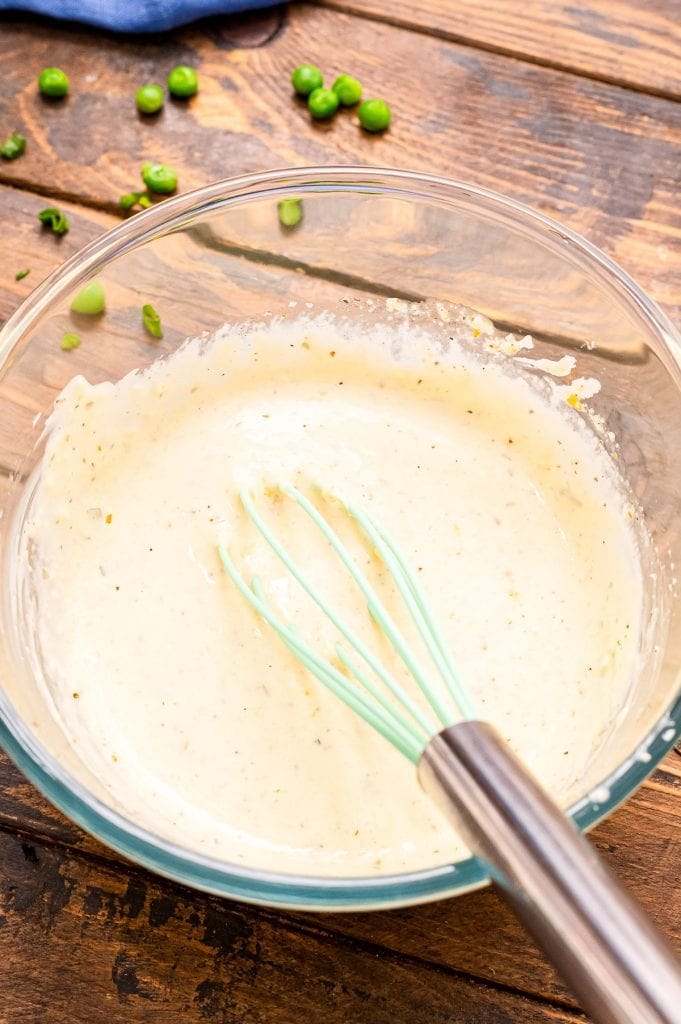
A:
133,15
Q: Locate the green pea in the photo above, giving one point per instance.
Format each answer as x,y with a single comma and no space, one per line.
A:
90,300
290,212
69,341
159,178
53,82
13,147
183,82
348,90
374,115
149,99
306,78
322,103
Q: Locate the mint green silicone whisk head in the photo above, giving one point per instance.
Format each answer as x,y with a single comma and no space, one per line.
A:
366,686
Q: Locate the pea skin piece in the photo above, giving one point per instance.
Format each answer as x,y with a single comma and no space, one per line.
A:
290,212
183,82
322,104
53,82
90,300
149,99
306,78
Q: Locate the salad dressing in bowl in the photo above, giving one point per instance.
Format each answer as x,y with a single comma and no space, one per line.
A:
193,719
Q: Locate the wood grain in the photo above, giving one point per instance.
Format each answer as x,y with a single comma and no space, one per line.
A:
621,41
474,934
603,160
83,942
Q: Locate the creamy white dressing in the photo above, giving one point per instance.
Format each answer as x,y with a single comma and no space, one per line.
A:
195,720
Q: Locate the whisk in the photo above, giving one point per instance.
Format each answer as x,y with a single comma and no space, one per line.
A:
598,938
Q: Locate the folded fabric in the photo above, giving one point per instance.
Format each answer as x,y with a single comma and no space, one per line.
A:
133,15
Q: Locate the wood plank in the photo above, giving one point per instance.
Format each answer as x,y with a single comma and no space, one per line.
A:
477,934
81,942
474,934
622,41
603,160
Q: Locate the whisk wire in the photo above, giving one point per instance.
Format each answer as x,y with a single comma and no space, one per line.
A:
398,732
398,691
376,608
368,699
418,605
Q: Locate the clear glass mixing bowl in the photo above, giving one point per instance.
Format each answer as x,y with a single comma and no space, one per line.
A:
221,254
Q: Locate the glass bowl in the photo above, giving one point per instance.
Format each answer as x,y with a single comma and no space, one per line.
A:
220,254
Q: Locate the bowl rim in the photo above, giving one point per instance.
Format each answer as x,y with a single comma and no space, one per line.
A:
279,889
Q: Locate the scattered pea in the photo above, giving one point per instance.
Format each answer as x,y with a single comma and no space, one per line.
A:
53,82
13,147
348,90
69,341
374,115
183,82
322,103
306,78
290,212
149,99
159,178
152,321
21,274
54,219
90,300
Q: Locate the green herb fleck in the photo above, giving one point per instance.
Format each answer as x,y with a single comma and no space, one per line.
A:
54,219
290,212
13,147
21,274
69,341
152,321
90,300
131,199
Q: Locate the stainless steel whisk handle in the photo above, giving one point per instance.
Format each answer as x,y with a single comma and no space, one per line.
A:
600,941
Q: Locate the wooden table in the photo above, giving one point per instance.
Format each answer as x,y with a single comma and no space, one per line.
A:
574,109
